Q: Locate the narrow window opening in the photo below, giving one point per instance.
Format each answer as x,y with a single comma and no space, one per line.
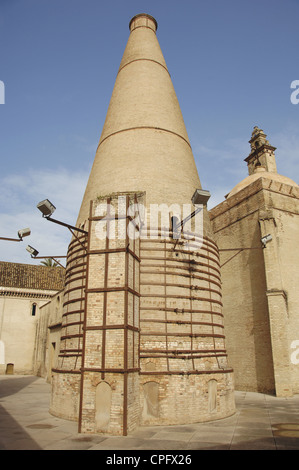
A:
33,310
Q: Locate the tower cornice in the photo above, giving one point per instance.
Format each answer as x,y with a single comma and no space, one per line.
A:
143,20
256,152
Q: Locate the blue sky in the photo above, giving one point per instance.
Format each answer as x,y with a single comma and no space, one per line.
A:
232,64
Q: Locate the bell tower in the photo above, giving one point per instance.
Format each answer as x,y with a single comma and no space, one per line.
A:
262,153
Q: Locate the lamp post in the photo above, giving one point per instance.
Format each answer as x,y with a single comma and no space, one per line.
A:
200,197
25,232
33,252
47,209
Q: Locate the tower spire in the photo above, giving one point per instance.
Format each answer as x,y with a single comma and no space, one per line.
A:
262,153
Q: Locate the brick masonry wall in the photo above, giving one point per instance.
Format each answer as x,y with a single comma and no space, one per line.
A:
111,332
261,302
153,338
182,341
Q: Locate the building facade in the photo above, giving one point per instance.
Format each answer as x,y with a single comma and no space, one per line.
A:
24,290
257,232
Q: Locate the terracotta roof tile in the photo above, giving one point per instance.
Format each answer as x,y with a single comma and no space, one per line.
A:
29,276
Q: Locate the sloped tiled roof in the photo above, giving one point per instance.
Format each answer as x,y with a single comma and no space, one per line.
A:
29,276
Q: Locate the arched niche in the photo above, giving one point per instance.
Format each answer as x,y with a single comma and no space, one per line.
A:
151,400
103,401
212,394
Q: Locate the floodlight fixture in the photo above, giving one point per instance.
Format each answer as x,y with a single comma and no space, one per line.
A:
46,207
266,239
25,232
200,196
199,199
32,251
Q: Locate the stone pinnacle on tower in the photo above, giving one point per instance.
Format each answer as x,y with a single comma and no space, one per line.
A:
262,153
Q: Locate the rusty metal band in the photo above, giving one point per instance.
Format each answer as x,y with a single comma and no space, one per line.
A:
72,324
106,260
191,372
126,249
182,322
112,289
69,281
184,286
75,241
115,217
206,246
71,350
186,335
200,299
77,246
70,269
190,252
76,335
193,253
71,253
112,327
55,325
76,249
183,357
191,316
181,241
184,268
78,299
182,310
165,299
84,325
73,289
73,272
73,312
182,351
78,239
74,256
70,355
134,288
126,316
159,232
172,273
110,371
192,262
65,371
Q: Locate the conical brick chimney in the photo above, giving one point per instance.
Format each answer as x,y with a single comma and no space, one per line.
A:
142,336
144,144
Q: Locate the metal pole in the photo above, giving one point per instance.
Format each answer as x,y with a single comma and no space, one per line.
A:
66,225
12,239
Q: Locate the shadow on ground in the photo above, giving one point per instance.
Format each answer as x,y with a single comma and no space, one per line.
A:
10,387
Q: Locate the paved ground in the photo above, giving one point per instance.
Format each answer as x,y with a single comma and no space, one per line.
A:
261,422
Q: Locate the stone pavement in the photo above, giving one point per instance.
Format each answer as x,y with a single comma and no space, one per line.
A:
261,422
